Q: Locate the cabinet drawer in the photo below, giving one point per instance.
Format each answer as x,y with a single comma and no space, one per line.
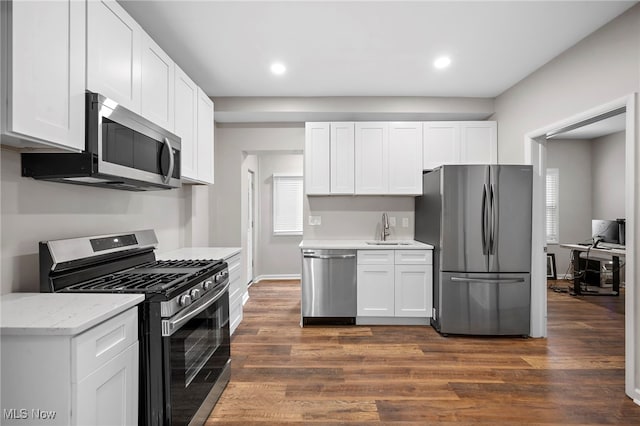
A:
414,257
233,260
103,342
234,272
375,257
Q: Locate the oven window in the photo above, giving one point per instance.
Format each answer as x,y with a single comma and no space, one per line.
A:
198,352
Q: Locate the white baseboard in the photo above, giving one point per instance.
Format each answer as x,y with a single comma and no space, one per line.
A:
278,277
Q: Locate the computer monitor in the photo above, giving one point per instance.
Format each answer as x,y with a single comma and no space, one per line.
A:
605,231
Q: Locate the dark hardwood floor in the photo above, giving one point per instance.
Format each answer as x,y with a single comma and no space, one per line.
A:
282,373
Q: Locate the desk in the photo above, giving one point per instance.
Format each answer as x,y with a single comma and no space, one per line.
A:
615,255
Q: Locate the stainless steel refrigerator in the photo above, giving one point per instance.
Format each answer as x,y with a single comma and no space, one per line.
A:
478,218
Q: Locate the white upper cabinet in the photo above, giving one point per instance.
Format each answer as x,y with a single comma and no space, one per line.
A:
459,142
114,42
205,138
317,159
44,92
186,122
478,142
342,158
372,158
441,144
157,84
405,158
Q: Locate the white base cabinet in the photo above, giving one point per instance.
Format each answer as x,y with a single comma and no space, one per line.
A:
235,291
87,379
394,283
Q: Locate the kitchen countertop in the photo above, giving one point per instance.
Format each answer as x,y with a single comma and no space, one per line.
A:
362,245
59,313
199,253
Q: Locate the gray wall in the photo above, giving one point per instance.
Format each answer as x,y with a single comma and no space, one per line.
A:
600,68
34,211
234,143
608,168
572,158
357,217
276,254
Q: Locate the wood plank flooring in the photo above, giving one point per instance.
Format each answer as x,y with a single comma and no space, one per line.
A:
282,373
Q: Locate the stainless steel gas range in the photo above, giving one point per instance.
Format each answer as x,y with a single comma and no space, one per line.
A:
184,320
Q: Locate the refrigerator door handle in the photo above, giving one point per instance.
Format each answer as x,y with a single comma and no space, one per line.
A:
489,280
492,233
484,219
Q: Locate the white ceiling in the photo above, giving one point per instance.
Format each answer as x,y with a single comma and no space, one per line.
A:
364,48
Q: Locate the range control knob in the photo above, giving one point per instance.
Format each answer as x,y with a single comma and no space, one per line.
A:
219,278
207,285
184,300
195,293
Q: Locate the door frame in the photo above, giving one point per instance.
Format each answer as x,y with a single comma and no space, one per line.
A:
535,146
251,216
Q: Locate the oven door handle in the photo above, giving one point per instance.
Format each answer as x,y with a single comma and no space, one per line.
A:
170,326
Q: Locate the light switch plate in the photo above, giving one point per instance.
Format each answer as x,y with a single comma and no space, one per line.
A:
405,222
392,221
315,220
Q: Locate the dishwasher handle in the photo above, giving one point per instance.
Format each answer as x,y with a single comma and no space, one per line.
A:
328,256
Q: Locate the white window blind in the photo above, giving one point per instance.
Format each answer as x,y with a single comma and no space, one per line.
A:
287,204
553,188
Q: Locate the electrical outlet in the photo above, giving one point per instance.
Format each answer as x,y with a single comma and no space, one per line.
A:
315,220
405,222
392,221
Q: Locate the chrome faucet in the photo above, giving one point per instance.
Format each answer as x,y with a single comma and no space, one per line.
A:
384,232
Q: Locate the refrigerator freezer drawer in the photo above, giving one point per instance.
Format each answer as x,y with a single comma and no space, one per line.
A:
484,304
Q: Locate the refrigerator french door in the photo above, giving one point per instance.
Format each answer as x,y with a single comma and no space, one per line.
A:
478,217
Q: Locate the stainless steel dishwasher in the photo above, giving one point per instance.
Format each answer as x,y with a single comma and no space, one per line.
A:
328,286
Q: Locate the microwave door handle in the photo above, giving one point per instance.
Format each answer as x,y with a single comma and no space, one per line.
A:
167,178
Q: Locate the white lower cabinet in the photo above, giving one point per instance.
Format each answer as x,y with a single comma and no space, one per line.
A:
86,379
394,283
235,291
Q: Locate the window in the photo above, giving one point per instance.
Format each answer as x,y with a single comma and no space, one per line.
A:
553,187
287,205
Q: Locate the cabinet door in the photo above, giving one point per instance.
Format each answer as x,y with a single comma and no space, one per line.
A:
405,158
109,396
186,122
157,84
441,144
317,159
375,285
113,53
205,138
413,290
372,158
46,97
342,158
478,142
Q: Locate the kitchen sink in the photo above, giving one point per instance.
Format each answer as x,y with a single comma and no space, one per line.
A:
387,243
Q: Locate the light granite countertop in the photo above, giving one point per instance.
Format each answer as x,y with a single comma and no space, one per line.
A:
365,245
59,313
215,253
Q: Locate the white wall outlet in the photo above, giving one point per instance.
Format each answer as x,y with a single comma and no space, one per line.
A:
315,220
405,222
392,221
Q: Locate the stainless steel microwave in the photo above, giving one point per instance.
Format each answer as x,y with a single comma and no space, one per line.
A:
122,151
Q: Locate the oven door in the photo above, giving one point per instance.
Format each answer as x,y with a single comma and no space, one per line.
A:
196,356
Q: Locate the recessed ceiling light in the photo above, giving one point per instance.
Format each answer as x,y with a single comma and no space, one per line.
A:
278,68
442,62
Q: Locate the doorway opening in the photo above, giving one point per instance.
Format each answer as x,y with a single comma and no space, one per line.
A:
536,144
